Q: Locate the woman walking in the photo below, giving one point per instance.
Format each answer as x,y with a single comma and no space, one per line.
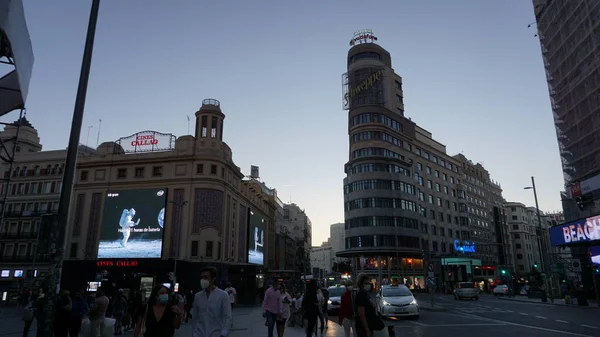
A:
310,306
286,301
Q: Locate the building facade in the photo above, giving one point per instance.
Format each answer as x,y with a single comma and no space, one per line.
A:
402,190
482,195
337,239
570,51
212,215
322,259
523,227
299,227
30,190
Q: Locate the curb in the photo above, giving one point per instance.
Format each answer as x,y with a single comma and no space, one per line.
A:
550,303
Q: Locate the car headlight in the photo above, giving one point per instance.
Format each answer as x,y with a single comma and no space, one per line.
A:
329,302
414,302
385,303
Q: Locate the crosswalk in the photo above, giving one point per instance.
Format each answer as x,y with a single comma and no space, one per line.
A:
481,309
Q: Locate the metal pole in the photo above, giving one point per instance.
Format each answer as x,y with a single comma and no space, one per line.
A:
537,206
45,323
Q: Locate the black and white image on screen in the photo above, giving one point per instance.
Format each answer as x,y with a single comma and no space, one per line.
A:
256,238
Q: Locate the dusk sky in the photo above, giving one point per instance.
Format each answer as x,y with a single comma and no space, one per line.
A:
472,71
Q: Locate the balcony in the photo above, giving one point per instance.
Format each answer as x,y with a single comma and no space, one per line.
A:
28,214
29,235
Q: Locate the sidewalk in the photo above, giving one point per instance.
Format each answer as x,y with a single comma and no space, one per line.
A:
248,322
557,301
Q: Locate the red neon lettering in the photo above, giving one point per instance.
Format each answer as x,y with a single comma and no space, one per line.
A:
144,140
104,264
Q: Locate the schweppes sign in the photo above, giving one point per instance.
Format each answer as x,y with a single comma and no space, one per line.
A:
367,83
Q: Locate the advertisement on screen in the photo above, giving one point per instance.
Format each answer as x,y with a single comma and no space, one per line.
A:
582,230
595,255
133,224
256,238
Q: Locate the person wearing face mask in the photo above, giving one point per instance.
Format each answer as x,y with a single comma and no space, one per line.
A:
211,312
366,319
160,318
346,316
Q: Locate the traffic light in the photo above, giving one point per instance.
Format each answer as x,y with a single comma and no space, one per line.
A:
535,265
503,272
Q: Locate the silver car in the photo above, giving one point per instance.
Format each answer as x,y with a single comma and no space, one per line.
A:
397,301
335,294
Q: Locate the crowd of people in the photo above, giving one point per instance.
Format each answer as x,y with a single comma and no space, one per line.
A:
163,312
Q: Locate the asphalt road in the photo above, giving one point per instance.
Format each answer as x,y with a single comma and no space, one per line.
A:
493,317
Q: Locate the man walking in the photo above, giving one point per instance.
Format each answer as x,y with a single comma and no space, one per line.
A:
211,312
271,307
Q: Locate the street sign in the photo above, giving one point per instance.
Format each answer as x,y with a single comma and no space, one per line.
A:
430,267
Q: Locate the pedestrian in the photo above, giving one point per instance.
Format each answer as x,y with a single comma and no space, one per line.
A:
189,304
160,317
366,319
78,309
325,306
310,307
346,315
286,301
62,317
28,316
98,313
119,308
271,307
211,314
232,294
322,303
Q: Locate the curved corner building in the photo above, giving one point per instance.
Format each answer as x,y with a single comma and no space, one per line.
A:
398,178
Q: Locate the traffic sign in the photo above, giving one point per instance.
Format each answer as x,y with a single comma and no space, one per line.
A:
430,267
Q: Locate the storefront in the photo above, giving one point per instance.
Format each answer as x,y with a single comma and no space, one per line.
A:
141,274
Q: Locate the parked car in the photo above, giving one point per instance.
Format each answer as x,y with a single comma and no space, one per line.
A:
501,290
397,301
466,290
335,295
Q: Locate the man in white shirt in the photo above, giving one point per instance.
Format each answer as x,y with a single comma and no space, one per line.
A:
232,294
211,313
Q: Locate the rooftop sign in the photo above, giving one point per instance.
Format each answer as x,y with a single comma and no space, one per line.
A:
363,36
147,141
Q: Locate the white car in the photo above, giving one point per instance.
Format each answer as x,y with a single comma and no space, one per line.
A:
501,290
466,290
335,295
397,301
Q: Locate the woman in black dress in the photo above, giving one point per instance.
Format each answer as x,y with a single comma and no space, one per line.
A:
161,316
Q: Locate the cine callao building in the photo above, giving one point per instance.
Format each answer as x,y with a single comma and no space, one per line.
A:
405,210
151,208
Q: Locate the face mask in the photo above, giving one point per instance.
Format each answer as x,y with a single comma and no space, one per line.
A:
162,299
349,288
367,287
204,283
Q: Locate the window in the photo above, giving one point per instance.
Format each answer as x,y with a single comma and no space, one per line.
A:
430,199
157,171
139,172
213,127
122,173
204,126
520,256
518,246
429,184
209,249
398,85
444,176
213,169
219,251
428,169
46,187
73,250
199,168
223,172
516,227
419,166
83,176
437,187
437,173
194,251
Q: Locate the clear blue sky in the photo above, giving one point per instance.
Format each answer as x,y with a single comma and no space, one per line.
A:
472,72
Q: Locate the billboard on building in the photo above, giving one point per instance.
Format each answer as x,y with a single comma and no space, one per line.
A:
256,238
147,141
595,256
363,86
133,223
582,230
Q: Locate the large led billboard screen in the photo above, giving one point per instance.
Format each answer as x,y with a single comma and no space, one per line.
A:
256,238
133,224
595,256
579,231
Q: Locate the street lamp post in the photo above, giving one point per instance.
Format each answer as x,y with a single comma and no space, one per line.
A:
540,228
51,283
179,205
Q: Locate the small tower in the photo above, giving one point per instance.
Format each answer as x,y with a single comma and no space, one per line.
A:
209,120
